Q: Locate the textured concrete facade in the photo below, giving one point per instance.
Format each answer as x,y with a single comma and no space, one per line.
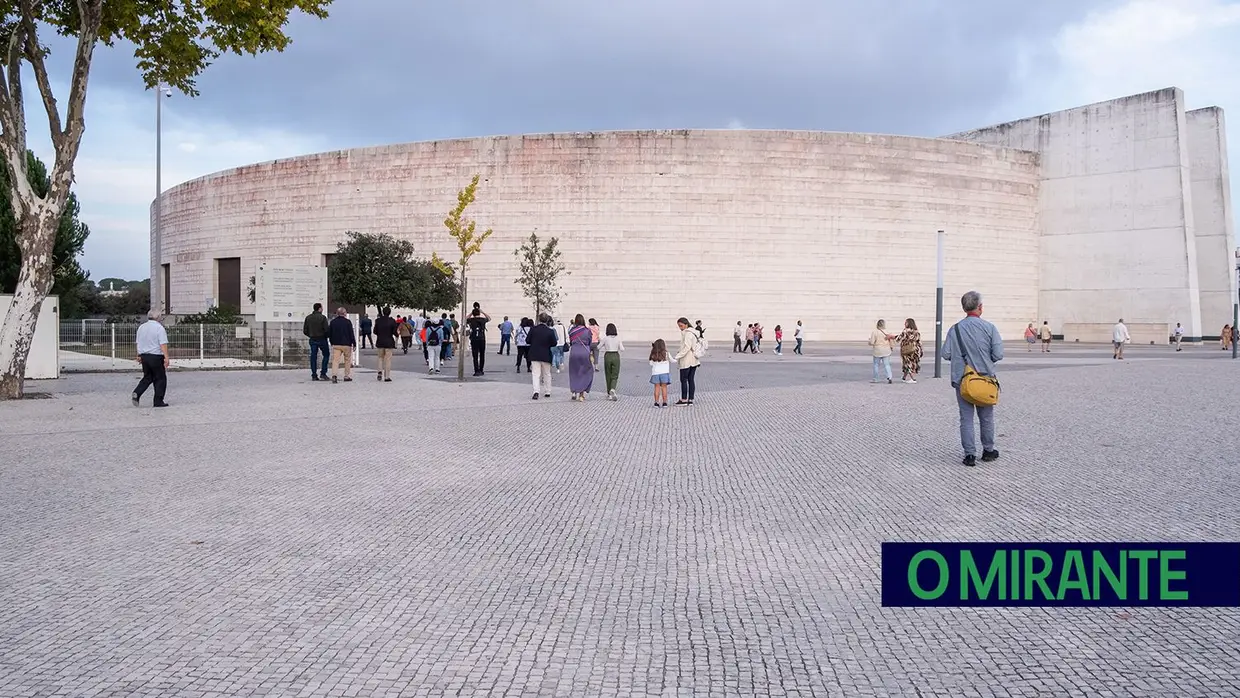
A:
1119,233
834,229
1212,216
1079,217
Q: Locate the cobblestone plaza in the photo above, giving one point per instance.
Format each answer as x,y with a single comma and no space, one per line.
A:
269,536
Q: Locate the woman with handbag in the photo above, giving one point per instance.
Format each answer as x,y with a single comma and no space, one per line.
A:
910,351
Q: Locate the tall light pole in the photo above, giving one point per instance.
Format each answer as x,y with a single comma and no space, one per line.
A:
1235,307
157,280
938,313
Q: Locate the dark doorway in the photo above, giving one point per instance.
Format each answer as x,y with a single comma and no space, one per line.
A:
167,274
229,273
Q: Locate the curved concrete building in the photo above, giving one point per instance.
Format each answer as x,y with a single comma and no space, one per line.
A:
834,229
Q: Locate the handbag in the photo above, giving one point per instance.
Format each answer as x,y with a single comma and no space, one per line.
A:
976,389
908,346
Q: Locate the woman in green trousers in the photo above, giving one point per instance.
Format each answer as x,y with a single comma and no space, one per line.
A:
612,346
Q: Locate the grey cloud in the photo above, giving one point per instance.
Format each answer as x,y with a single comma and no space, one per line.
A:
387,71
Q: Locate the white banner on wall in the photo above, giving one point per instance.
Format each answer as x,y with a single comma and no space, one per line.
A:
287,293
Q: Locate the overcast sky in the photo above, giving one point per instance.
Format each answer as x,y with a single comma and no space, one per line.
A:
391,71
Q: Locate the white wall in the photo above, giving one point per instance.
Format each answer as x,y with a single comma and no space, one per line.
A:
835,229
1212,216
44,359
1117,227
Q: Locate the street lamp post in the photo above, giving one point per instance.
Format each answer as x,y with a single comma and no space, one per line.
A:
1235,308
161,91
938,313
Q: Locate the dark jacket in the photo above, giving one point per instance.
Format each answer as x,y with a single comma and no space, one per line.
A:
341,332
385,333
315,326
541,338
366,323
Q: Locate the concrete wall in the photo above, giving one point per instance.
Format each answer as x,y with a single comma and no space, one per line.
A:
43,361
1117,227
834,229
1212,217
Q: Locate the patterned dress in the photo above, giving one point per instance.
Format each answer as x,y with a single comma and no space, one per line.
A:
910,358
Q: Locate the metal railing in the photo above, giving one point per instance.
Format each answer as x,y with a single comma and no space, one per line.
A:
94,345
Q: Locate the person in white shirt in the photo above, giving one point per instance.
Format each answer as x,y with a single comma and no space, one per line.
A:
557,352
152,343
737,333
799,335
1179,336
612,346
1119,337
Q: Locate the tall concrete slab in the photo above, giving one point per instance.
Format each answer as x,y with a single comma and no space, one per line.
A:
1117,231
1212,216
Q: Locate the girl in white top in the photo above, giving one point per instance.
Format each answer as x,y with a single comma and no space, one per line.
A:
611,347
660,371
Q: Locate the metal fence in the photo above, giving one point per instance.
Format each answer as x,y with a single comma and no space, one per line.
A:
94,345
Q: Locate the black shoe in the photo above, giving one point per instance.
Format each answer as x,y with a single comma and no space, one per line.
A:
535,396
347,379
546,394
681,402
134,399
988,456
313,377
334,380
387,380
161,404
970,460
378,376
323,376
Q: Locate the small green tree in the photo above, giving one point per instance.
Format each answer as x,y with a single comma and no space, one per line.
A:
375,269
540,267
436,289
468,243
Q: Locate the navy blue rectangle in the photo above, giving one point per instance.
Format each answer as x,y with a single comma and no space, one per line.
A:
1079,574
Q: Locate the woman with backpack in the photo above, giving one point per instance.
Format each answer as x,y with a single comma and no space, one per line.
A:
909,341
523,343
687,359
434,340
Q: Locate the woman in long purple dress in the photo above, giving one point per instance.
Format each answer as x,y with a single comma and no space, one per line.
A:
580,370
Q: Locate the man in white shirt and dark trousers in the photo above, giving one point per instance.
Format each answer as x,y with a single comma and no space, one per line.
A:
1179,336
799,335
153,355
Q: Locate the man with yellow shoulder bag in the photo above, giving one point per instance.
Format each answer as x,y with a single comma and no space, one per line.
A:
973,346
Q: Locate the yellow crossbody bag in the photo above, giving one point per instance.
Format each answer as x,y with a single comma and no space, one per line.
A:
975,388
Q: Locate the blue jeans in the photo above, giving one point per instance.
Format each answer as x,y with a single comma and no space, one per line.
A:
779,346
557,357
505,341
318,346
985,415
798,349
886,365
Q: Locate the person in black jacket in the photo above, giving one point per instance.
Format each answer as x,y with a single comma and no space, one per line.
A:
385,343
541,338
315,328
344,341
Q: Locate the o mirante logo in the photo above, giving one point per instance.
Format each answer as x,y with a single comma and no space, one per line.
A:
1061,574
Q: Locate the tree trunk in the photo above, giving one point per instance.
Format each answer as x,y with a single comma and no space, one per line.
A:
35,240
460,351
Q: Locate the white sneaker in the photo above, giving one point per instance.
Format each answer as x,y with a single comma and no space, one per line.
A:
611,394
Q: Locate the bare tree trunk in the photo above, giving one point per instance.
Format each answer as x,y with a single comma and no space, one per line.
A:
460,363
35,240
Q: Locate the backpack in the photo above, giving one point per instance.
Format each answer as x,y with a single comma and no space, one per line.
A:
433,335
700,346
477,331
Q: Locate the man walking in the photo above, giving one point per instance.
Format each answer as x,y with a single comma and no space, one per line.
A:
1179,336
344,341
737,333
364,325
976,343
476,326
505,337
1045,335
798,335
541,339
1119,337
385,342
152,342
315,328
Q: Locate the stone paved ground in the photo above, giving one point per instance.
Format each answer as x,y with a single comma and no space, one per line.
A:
267,536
